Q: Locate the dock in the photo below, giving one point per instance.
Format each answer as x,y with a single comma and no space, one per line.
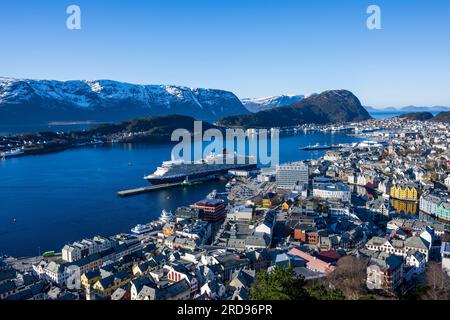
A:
142,190
148,189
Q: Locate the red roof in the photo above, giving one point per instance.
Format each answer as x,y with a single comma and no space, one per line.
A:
313,262
329,256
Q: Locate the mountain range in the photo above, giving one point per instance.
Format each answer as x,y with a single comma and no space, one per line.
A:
409,109
24,101
261,104
334,106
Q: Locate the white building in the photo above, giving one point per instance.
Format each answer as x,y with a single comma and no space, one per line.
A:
429,203
52,271
399,247
445,253
80,249
332,191
292,174
240,213
416,263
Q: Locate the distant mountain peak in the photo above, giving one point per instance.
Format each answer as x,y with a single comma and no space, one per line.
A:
266,103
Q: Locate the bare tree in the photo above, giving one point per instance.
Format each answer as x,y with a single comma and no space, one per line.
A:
437,282
349,277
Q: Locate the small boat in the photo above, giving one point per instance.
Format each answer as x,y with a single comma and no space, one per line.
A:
14,220
186,182
316,147
141,229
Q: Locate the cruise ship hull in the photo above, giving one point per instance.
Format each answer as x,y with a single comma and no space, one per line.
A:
172,179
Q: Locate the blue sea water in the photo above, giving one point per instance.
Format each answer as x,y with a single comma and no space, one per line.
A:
63,197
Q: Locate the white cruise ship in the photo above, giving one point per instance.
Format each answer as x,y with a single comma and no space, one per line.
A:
179,170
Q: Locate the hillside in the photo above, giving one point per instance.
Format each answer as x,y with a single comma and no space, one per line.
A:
419,116
443,117
336,106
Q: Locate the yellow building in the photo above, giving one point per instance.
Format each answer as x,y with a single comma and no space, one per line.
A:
168,230
267,203
405,191
90,277
106,286
402,206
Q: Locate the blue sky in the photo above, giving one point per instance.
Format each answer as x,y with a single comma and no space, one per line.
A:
254,48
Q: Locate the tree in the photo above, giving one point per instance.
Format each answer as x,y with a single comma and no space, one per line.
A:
280,284
437,283
319,292
284,284
350,277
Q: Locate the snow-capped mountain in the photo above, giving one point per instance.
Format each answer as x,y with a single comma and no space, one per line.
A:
37,101
260,104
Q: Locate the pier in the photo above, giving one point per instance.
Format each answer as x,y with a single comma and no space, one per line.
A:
157,187
142,190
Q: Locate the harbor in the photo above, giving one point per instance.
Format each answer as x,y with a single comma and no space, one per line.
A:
26,199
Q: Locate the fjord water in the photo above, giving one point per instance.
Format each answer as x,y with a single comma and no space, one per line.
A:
63,197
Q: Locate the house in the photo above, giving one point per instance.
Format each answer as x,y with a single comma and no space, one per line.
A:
138,284
405,190
313,263
399,247
384,272
285,260
229,263
241,294
415,264
180,290
214,290
267,225
7,288
307,234
177,272
106,286
120,294
242,278
267,203
240,213
445,254
144,267
329,256
90,277
52,271
6,275
34,291
287,205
